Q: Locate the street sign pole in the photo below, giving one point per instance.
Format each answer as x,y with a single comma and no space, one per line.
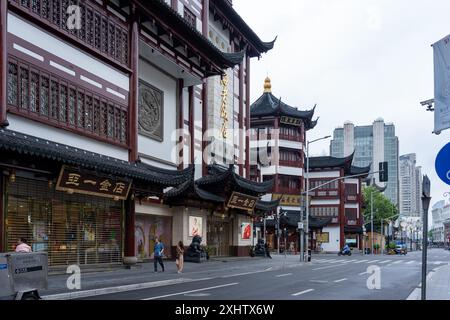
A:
426,199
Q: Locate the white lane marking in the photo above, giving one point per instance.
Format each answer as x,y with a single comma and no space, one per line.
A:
385,261
328,267
372,261
363,273
438,262
284,275
340,280
348,261
246,273
319,281
191,291
409,262
397,262
361,261
302,292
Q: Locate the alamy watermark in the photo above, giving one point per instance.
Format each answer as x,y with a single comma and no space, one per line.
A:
74,280
374,280
74,17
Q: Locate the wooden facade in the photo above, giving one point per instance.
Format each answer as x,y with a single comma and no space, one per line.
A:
93,100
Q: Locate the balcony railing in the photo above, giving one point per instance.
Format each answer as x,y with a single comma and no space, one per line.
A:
324,193
290,163
290,137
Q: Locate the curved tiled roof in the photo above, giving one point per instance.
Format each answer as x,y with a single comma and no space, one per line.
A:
189,32
238,22
360,170
267,206
269,105
218,175
33,146
330,162
189,187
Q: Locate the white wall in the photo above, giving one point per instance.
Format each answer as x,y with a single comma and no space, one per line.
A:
161,150
330,202
326,174
180,227
154,209
334,244
40,130
238,241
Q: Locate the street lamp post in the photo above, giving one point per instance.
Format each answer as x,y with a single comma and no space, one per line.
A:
371,220
307,195
426,199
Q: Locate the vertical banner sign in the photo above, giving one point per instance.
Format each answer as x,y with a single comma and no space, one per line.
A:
442,85
224,105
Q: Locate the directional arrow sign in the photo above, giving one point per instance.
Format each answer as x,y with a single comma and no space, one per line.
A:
442,164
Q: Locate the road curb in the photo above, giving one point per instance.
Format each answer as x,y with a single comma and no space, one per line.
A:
117,289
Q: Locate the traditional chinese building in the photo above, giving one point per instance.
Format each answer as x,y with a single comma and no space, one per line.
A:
90,103
338,200
278,135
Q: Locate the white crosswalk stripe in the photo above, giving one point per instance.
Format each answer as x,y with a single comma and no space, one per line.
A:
372,261
409,262
385,261
397,262
349,261
361,261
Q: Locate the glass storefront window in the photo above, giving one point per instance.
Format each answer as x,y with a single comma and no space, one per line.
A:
73,229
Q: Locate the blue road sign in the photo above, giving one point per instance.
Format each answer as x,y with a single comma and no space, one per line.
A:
442,164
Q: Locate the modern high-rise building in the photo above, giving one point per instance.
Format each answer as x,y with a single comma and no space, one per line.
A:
409,186
371,144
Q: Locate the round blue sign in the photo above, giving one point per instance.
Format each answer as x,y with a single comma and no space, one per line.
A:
443,164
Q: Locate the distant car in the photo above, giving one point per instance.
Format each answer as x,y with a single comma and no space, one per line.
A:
401,249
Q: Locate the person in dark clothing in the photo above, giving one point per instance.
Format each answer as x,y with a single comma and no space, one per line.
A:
266,246
158,255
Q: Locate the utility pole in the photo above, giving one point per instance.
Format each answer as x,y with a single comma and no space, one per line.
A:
306,227
371,219
426,199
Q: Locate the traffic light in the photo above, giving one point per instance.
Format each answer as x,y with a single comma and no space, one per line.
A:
383,174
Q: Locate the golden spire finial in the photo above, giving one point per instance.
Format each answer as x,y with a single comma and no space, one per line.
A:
267,86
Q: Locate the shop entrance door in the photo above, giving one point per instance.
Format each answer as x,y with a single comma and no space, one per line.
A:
219,237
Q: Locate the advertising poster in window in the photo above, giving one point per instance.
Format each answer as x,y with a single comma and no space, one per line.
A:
195,226
246,231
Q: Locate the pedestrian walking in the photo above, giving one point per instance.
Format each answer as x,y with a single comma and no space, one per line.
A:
267,249
22,246
180,257
158,255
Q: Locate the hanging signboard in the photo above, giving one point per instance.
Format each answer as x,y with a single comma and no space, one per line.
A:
242,201
290,199
74,180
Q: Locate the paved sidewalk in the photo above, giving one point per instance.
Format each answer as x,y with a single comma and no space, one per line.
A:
438,285
116,279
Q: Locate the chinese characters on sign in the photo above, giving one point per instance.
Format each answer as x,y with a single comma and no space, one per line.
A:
242,201
291,121
323,237
290,200
76,181
224,106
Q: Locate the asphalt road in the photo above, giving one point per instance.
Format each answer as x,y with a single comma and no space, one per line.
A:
328,277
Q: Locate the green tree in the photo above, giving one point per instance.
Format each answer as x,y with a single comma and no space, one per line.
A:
383,208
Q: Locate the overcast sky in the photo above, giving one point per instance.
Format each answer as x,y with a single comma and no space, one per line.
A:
358,60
